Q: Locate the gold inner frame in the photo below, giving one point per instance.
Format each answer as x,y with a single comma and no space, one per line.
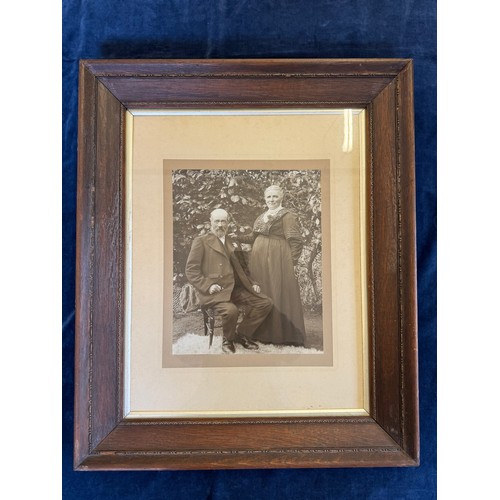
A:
135,385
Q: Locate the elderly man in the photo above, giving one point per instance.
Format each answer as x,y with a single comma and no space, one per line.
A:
216,268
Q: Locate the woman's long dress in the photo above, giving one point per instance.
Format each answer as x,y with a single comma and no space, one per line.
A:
277,245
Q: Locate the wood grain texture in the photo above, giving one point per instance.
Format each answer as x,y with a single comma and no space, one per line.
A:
298,91
246,68
84,259
108,277
386,261
408,264
265,435
250,459
389,436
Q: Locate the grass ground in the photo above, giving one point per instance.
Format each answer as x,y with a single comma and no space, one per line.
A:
193,323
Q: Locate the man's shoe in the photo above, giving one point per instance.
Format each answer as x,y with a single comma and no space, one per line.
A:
228,346
246,343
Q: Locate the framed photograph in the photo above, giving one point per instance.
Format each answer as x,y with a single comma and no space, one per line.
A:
246,269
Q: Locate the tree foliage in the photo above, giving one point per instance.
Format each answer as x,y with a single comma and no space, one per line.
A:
241,193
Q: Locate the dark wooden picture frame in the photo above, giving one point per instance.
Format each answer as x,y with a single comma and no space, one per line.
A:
389,436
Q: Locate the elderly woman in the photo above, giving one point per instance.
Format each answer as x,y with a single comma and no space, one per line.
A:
277,245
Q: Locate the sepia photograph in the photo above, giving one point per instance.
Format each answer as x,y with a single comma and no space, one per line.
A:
247,267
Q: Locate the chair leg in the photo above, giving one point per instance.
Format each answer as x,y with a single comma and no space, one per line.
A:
209,324
211,329
205,321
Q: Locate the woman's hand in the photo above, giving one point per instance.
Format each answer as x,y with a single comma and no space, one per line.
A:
256,288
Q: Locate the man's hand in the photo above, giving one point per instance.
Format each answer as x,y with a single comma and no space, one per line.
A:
214,289
256,288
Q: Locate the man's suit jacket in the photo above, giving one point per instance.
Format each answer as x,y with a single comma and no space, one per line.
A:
210,263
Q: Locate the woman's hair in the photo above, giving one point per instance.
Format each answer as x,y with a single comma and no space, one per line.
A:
275,187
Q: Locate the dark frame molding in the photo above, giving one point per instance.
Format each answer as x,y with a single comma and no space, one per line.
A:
390,435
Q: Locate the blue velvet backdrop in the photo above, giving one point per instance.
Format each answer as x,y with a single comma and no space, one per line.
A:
259,28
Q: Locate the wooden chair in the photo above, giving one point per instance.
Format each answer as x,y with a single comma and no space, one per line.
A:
209,321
